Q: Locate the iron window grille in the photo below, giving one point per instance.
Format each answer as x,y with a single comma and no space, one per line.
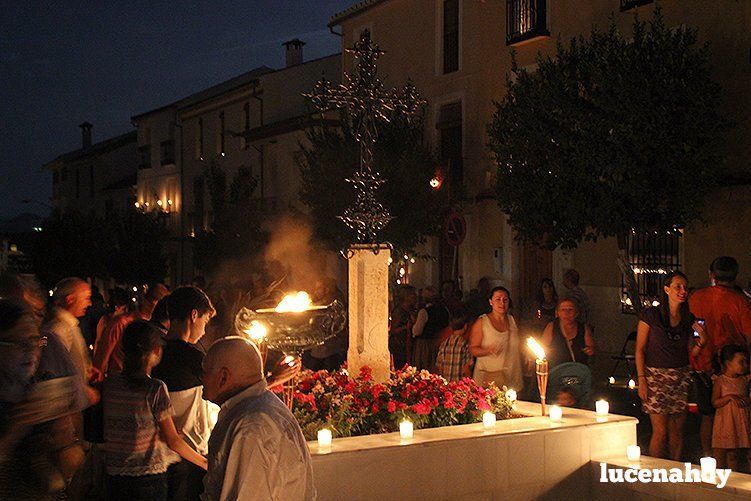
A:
525,19
651,255
630,4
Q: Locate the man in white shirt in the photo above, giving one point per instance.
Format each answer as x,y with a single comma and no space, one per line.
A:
256,450
71,298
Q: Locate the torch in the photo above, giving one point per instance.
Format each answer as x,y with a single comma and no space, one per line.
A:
256,331
541,365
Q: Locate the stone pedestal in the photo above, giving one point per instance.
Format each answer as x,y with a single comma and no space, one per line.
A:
369,311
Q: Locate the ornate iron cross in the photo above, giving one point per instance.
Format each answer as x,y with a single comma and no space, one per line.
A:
367,104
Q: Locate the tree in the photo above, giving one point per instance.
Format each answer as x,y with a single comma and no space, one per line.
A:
236,231
137,252
404,160
124,246
608,135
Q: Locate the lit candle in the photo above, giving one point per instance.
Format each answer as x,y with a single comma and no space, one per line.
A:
611,380
633,452
324,437
631,384
511,395
488,420
708,467
556,413
406,429
602,407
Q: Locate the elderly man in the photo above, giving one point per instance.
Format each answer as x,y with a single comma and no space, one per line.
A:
257,450
71,298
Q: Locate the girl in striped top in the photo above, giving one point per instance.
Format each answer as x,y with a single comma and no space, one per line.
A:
137,411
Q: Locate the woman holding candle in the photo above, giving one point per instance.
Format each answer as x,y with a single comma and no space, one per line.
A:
494,340
663,343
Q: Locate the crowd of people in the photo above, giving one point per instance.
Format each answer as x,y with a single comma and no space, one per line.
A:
121,409
128,417
696,342
480,337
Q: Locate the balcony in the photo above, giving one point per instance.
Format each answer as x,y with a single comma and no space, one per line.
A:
630,4
525,19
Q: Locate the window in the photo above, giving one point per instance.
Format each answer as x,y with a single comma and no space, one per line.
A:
630,4
651,255
450,36
221,137
199,140
78,183
198,203
450,129
144,157
525,19
167,152
91,181
64,174
55,177
246,125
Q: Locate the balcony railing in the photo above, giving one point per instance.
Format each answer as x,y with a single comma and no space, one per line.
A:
525,19
630,4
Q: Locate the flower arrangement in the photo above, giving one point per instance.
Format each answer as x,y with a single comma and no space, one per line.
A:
361,406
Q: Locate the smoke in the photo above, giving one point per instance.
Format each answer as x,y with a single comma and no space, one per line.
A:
292,253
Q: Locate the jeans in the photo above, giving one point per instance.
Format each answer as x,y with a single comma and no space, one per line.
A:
141,488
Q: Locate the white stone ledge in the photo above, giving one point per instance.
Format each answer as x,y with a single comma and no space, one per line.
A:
523,458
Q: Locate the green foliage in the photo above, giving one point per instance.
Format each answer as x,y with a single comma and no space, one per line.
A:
126,247
404,161
236,231
610,133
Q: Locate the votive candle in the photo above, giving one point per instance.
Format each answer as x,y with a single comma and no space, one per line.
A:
406,429
708,468
633,452
556,413
488,420
631,384
324,437
602,407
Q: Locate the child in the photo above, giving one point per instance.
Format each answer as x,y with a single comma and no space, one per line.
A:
454,361
730,434
137,411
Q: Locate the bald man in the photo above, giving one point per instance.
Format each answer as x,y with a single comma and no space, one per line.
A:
256,450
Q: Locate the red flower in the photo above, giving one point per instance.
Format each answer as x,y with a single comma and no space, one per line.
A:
391,407
422,407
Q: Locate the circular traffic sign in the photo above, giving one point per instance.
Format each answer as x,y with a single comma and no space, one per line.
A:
456,229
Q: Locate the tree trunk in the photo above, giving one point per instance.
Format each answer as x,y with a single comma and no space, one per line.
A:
629,277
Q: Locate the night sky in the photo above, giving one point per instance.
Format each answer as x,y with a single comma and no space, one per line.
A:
104,62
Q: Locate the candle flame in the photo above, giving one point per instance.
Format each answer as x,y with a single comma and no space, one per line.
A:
257,331
299,301
536,348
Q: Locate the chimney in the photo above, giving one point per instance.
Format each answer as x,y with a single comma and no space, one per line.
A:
293,51
86,135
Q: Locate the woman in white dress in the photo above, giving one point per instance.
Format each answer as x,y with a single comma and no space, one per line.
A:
494,340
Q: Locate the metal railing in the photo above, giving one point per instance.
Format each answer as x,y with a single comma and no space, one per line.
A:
525,19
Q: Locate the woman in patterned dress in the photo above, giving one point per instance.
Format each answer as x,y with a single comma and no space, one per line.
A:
663,342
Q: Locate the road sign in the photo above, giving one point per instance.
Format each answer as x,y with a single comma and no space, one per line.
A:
456,229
